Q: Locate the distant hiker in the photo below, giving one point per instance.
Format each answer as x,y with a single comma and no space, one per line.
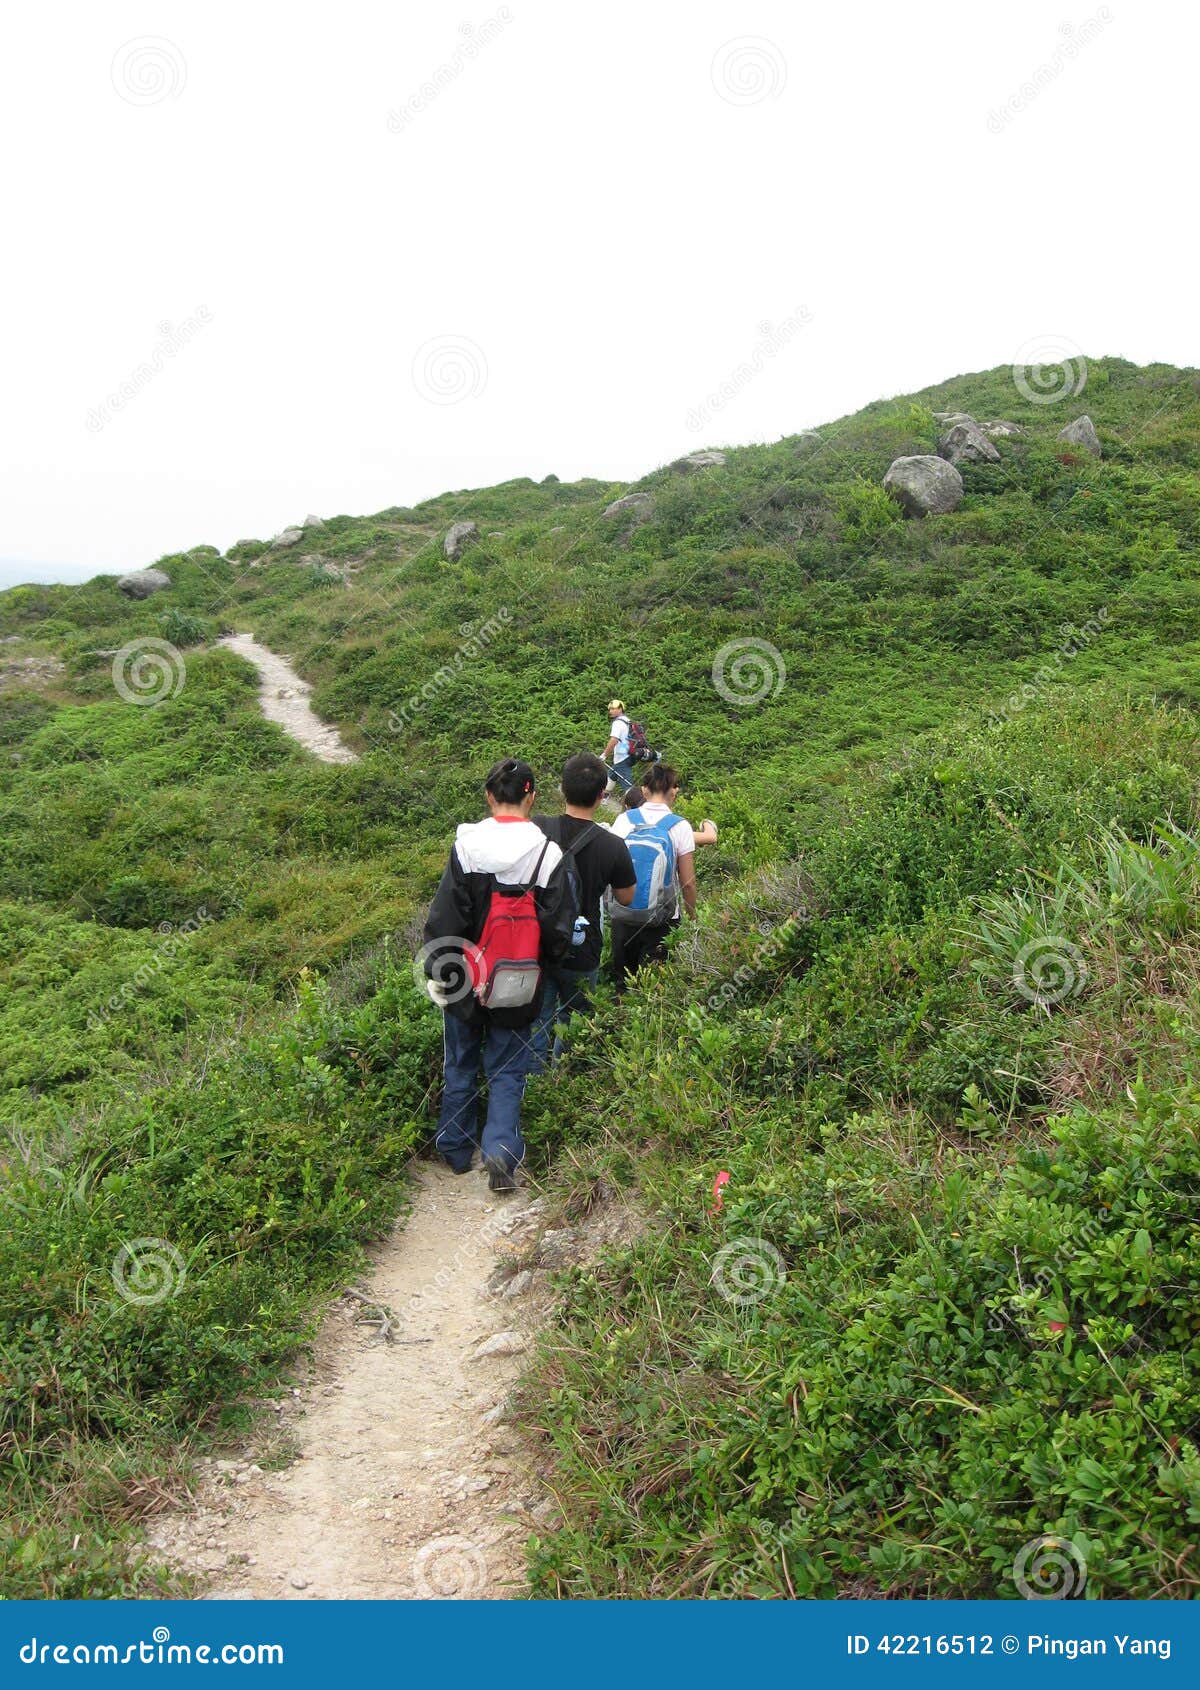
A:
627,744
603,865
663,847
502,913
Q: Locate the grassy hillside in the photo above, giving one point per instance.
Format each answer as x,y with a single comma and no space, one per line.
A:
968,750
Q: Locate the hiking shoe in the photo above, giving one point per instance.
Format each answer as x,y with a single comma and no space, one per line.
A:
455,1168
499,1177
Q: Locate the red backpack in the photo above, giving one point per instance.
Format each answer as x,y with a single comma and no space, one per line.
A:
504,967
639,745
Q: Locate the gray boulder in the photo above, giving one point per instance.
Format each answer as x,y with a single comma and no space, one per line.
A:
924,486
954,417
458,538
1081,432
313,522
966,443
142,583
637,507
698,460
289,537
808,441
1003,430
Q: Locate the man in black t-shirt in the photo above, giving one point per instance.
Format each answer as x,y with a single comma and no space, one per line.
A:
600,860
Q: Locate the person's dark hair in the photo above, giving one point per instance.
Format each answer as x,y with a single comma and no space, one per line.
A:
584,778
634,798
510,781
658,780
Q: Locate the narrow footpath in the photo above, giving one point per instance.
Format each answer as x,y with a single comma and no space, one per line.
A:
390,1470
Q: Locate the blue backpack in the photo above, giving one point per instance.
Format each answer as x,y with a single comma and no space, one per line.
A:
653,852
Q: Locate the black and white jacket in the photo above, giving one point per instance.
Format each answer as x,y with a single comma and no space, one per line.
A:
510,850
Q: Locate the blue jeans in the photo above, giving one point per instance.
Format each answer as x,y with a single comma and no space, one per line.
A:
505,1056
563,993
622,773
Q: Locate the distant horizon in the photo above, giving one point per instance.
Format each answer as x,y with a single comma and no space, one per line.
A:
26,572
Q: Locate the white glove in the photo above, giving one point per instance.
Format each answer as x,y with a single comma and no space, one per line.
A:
438,993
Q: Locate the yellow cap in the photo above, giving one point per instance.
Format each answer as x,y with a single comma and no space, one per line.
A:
615,704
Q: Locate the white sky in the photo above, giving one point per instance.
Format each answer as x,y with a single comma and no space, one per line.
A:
596,215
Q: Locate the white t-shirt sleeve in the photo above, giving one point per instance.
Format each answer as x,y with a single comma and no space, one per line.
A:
620,732
683,838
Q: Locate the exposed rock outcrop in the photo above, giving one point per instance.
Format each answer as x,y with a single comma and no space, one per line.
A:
698,460
635,507
458,538
966,443
924,485
143,582
1082,433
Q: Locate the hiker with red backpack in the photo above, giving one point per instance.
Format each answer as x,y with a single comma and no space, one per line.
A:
663,848
627,745
503,912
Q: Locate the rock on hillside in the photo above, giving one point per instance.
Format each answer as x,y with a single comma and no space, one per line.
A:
1082,432
698,460
458,538
924,486
637,506
965,443
143,582
1003,430
289,537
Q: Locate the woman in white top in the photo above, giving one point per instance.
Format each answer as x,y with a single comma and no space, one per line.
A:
634,944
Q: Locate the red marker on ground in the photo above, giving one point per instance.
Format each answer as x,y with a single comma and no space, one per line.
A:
719,1184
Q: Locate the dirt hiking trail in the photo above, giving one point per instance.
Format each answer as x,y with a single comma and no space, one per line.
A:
399,1485
284,698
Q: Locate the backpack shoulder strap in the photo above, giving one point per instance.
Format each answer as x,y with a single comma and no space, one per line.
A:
636,817
579,839
537,867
